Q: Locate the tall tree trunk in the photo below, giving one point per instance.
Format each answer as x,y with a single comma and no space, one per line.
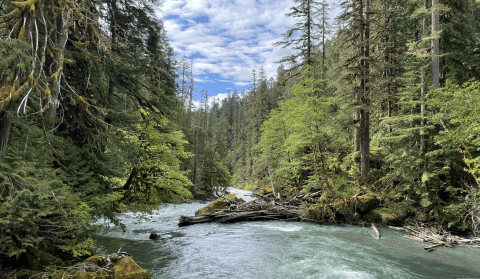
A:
364,112
60,41
190,93
4,132
435,44
357,137
324,31
183,80
309,27
195,155
113,30
423,89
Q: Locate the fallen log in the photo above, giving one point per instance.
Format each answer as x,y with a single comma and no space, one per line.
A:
430,248
264,208
377,233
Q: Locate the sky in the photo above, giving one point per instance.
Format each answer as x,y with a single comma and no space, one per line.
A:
226,39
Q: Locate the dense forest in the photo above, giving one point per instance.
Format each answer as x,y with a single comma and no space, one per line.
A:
97,117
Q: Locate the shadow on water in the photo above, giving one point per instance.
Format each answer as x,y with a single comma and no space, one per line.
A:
275,249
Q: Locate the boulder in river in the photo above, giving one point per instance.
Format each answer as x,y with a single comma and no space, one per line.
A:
220,204
154,236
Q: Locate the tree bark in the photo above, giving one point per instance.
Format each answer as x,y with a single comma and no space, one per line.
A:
309,39
435,45
60,40
324,31
195,162
423,106
5,125
364,112
113,30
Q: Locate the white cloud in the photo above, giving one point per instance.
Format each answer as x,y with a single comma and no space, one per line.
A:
228,38
237,37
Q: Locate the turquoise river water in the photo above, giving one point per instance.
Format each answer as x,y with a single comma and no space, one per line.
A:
276,249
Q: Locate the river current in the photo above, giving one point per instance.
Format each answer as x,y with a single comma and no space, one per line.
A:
276,249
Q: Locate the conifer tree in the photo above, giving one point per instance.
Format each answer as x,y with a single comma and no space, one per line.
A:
302,37
355,77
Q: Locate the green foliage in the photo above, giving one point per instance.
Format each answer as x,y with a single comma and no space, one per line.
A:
459,114
16,56
300,137
465,215
37,206
155,170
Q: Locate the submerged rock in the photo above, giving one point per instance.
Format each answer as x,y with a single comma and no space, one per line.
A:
219,204
154,236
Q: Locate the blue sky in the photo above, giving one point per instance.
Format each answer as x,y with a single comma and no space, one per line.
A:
227,39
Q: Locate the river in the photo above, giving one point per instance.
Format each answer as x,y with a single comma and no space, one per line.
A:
276,249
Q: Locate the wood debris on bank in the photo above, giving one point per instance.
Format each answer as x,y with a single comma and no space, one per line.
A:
265,207
438,236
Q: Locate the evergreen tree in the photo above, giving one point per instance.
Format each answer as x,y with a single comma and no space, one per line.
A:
303,36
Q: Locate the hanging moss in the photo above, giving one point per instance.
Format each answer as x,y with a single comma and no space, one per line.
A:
22,5
21,35
19,91
82,101
13,13
31,80
54,77
82,46
5,91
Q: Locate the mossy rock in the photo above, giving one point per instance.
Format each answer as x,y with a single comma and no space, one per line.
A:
384,216
94,268
97,259
85,274
127,268
366,202
219,204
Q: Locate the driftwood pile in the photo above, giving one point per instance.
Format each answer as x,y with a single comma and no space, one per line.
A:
265,207
437,236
